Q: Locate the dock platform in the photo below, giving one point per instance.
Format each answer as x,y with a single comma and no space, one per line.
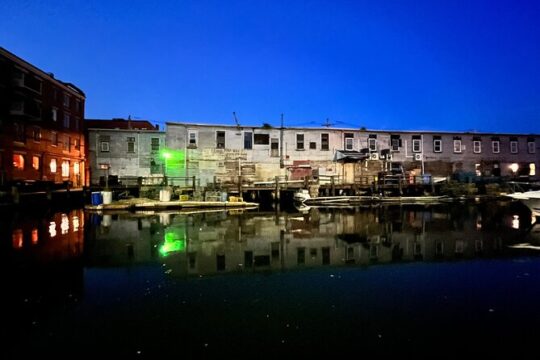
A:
148,204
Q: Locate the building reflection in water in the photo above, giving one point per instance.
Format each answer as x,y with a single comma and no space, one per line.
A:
220,242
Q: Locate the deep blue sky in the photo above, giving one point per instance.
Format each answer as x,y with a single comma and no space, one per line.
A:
433,65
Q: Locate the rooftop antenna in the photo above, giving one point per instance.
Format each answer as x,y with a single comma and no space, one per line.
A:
237,123
327,123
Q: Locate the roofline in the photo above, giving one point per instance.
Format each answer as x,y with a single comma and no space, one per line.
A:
128,130
329,129
20,61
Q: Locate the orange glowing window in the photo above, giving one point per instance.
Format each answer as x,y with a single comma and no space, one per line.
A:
17,239
18,161
35,162
35,236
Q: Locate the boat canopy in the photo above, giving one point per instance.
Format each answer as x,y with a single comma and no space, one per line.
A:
344,155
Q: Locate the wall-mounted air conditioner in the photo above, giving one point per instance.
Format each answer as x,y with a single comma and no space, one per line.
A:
374,156
417,157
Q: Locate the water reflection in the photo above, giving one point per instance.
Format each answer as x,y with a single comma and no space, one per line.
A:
220,242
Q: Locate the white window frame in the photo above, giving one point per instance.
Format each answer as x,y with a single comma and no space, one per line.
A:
349,143
477,146
394,144
531,147
372,144
496,146
457,146
195,134
416,145
437,145
514,149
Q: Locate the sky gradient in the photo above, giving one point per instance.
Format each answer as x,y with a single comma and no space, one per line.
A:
404,65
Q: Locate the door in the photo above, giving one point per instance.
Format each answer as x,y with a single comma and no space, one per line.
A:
348,173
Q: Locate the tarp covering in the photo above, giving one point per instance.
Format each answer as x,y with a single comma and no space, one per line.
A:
343,155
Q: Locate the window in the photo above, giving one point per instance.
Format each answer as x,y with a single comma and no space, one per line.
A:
20,133
531,146
496,146
477,146
372,142
192,139
220,139
313,145
105,146
67,99
348,141
416,144
324,142
274,147
299,141
54,114
457,145
437,145
67,120
76,168
18,161
54,138
67,143
532,169
36,133
65,168
262,139
76,122
130,144
77,144
154,144
248,140
52,165
77,105
514,147
395,142
35,162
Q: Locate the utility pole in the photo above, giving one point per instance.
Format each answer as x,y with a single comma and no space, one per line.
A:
281,162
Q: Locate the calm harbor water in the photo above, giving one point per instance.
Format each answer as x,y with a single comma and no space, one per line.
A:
423,281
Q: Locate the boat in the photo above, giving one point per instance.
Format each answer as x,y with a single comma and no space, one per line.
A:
302,197
530,198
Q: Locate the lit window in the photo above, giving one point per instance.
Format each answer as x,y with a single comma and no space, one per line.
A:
18,161
76,168
54,114
514,167
52,229
532,169
17,239
65,168
35,236
496,146
35,162
52,165
477,147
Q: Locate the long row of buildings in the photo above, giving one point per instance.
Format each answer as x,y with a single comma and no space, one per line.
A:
44,138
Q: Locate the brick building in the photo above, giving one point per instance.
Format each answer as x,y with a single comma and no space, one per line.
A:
41,126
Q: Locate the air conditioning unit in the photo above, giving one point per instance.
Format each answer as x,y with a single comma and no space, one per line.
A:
374,156
417,157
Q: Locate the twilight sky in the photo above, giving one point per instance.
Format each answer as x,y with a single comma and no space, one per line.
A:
411,65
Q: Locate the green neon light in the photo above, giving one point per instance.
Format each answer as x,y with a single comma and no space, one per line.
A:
174,242
173,159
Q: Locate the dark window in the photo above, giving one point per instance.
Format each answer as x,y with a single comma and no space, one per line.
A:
220,139
262,139
395,142
324,142
155,144
349,141
248,140
299,141
313,145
